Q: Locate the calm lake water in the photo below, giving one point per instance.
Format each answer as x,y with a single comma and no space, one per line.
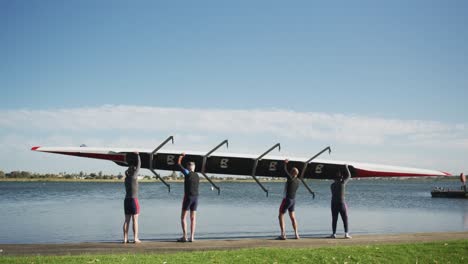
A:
55,212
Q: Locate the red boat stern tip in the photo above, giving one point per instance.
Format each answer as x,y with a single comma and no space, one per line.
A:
446,173
35,148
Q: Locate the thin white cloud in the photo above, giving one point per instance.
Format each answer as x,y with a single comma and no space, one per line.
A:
351,129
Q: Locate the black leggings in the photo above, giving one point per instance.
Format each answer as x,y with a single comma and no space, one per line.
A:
342,209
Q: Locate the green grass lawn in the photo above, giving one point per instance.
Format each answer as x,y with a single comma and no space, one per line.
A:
435,252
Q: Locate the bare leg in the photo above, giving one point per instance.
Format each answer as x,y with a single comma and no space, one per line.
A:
292,215
125,227
193,222
183,223
135,228
281,223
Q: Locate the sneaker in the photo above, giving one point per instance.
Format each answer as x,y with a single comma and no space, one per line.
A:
332,236
347,236
182,239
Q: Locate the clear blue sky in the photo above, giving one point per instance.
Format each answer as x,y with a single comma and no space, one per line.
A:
401,59
377,65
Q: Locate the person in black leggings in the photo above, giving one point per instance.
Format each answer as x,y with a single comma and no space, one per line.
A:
338,203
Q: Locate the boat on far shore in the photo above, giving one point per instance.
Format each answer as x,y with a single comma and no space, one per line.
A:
438,192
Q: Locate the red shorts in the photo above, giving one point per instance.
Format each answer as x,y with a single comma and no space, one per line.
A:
287,205
131,206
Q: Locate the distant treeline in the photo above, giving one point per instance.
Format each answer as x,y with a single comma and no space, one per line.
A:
80,175
89,176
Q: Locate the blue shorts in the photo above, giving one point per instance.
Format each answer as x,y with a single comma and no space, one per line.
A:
190,203
131,206
287,205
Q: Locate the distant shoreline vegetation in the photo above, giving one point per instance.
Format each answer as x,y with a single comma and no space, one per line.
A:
99,176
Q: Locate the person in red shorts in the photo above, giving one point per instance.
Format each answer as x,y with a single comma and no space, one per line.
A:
131,205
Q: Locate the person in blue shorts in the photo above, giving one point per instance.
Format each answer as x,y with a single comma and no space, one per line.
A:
190,201
289,200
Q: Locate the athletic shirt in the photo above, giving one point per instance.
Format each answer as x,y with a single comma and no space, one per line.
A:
290,188
338,191
131,182
191,181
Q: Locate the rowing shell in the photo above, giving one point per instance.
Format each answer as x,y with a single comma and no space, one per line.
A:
240,164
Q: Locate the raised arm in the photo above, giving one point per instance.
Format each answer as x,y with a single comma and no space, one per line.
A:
286,169
348,174
179,162
138,165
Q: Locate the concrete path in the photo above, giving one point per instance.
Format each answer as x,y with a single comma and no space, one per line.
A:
170,246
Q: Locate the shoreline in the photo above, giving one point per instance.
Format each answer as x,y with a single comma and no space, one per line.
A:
149,246
122,180
239,180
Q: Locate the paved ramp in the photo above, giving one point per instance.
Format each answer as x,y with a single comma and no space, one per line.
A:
170,246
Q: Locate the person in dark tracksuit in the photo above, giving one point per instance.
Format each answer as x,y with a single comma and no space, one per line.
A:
190,201
463,181
338,203
131,204
289,200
